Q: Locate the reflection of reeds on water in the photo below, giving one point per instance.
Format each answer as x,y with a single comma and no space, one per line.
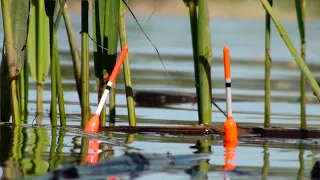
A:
265,167
301,161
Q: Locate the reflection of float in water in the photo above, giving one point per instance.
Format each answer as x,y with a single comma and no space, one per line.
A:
93,151
230,155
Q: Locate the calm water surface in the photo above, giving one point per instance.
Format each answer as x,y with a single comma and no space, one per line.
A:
28,151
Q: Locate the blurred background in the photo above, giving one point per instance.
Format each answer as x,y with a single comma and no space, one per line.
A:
218,8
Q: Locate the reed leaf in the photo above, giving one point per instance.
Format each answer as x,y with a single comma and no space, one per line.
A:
20,16
39,49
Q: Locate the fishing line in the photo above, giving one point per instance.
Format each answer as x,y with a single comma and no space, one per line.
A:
154,10
174,84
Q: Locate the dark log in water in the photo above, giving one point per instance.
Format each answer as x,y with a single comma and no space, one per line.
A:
146,98
213,129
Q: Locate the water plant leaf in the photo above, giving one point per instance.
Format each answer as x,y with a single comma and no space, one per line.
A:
32,44
20,16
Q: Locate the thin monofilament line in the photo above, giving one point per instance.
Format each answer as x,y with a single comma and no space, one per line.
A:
154,10
152,45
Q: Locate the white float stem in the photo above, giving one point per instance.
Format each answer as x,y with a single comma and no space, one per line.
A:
104,97
229,97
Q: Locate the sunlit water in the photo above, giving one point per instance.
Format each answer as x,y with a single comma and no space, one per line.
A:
35,151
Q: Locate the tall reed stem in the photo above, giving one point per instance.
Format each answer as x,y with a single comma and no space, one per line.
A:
301,63
85,106
126,68
23,89
301,17
74,49
104,54
50,8
192,4
267,81
9,45
204,63
39,56
113,32
62,112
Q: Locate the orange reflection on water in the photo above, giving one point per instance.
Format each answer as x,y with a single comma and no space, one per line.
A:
230,154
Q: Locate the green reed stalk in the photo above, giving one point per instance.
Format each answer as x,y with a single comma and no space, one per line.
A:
301,63
104,55
62,111
192,4
126,68
9,45
114,11
267,81
5,104
85,104
204,63
100,14
39,56
301,18
74,49
21,86
50,8
24,89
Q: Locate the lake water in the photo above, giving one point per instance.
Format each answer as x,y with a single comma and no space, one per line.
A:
28,151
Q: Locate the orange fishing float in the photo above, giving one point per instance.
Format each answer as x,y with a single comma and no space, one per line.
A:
230,126
94,122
